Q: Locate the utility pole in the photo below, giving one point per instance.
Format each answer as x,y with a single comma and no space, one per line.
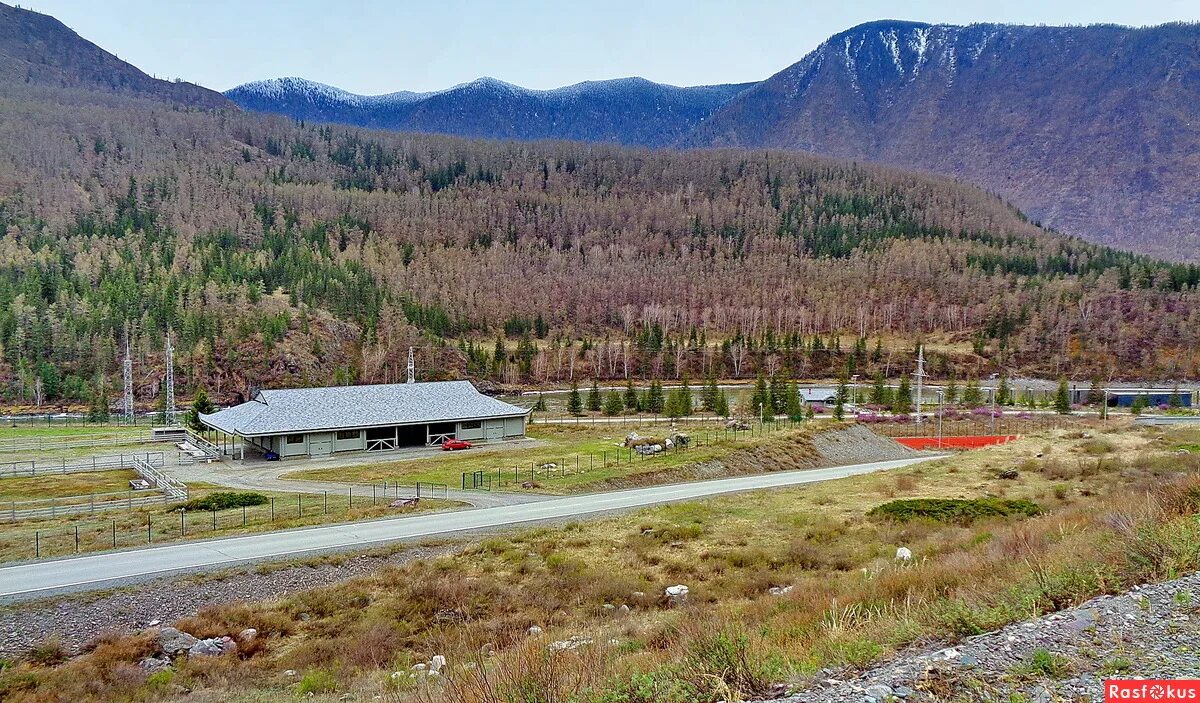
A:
170,381
920,374
412,367
127,372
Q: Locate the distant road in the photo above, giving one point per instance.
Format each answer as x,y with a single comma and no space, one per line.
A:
104,570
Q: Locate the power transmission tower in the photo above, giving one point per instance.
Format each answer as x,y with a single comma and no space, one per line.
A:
920,374
170,381
127,402
412,367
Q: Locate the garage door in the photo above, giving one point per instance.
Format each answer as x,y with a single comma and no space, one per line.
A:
320,445
495,430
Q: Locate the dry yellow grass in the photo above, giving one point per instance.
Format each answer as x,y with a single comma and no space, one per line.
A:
1124,516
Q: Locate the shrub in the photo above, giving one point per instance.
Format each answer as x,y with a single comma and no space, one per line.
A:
48,652
224,500
316,681
953,510
1043,664
721,664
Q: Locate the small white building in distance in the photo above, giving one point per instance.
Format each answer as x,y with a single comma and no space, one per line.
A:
322,421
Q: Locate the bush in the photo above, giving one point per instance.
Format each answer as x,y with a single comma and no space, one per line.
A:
953,510
317,681
225,500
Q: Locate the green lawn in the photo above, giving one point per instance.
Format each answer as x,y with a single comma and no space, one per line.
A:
22,431
588,454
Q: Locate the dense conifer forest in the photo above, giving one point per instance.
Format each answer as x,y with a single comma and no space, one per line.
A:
282,253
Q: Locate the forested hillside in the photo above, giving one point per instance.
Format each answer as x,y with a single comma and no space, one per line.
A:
285,254
1093,130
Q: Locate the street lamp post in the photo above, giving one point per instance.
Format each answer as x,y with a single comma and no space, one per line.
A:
854,389
993,415
941,399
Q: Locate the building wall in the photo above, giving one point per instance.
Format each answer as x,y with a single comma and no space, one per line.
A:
322,443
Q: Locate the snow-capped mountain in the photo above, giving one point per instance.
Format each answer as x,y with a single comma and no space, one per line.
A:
1092,130
626,110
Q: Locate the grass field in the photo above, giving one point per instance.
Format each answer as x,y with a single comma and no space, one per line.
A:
63,485
1119,508
120,529
583,451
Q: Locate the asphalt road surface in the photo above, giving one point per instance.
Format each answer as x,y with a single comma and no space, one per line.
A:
107,569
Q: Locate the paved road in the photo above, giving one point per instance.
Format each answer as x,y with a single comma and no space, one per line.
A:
101,570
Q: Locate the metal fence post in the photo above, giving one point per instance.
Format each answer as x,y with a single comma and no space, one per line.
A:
114,533
37,543
77,539
272,510
149,534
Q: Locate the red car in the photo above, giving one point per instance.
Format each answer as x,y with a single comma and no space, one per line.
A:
453,444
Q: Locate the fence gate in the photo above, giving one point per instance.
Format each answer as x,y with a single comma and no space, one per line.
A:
477,481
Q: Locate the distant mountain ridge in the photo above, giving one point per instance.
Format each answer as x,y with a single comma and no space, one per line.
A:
632,111
1092,130
37,49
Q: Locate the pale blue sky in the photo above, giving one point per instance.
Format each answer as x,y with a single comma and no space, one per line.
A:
377,46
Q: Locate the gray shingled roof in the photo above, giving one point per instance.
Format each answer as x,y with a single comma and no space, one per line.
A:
345,407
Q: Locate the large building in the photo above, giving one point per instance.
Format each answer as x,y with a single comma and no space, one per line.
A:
321,421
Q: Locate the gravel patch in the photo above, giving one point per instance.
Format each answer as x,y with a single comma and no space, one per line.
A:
76,620
1153,631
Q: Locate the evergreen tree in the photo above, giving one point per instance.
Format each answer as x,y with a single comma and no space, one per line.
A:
631,396
722,406
594,400
795,406
654,398
760,399
880,393
1003,394
972,396
1095,394
613,404
1175,400
951,391
708,397
1062,398
574,401
540,405
201,405
778,395
902,403
98,412
1139,404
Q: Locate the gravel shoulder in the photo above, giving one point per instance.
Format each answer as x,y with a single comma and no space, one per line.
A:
1151,632
77,619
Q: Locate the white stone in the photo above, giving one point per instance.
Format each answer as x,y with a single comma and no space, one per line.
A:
904,554
535,630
